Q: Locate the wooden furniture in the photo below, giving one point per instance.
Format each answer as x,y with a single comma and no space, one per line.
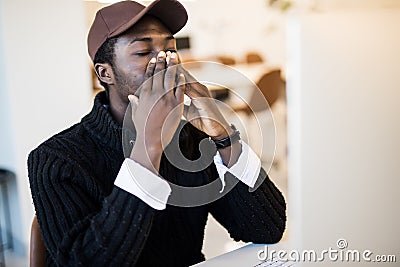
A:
270,85
253,57
226,60
37,255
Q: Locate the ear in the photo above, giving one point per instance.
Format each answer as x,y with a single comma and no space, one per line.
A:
104,72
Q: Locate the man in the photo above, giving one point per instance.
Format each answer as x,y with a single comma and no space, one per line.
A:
96,208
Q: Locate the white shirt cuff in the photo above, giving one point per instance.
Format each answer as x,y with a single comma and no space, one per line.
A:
139,181
246,169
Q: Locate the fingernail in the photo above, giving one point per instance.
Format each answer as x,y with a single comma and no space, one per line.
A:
153,60
168,53
161,54
130,97
173,55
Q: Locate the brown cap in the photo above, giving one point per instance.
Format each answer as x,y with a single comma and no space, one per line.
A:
113,20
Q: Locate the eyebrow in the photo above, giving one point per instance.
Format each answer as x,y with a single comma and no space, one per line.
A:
149,39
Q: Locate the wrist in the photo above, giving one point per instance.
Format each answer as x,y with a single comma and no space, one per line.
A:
220,137
230,154
228,131
148,155
231,137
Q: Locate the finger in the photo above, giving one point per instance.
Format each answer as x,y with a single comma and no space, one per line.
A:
178,58
173,60
168,54
194,88
186,112
158,78
188,76
170,74
148,83
134,100
180,89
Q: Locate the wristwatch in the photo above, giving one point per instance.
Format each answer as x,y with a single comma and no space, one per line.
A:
228,141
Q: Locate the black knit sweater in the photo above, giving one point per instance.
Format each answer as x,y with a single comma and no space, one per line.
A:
87,221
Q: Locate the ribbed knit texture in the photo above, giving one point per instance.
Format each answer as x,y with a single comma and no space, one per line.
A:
87,221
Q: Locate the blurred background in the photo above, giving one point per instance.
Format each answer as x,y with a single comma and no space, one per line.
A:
329,70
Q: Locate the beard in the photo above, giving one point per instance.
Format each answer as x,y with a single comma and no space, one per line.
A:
127,84
122,82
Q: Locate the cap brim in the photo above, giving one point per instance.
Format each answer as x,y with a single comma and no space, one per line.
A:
170,12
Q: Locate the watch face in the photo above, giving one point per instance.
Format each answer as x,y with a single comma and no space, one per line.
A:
228,141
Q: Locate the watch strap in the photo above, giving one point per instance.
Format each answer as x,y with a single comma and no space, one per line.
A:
228,141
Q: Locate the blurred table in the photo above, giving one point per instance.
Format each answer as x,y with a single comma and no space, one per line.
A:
239,80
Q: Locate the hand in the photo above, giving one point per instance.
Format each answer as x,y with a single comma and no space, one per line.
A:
157,108
203,112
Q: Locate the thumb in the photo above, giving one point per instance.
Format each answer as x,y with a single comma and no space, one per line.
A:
134,100
186,112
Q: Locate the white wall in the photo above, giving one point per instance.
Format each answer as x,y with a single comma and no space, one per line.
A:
329,5
344,146
45,87
228,27
235,27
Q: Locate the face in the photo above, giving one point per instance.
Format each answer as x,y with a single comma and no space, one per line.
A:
133,51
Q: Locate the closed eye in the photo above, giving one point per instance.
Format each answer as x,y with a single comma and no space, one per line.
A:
143,54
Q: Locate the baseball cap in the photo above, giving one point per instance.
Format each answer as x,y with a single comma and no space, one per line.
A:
115,19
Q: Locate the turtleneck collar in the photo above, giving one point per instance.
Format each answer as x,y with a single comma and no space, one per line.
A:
100,123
